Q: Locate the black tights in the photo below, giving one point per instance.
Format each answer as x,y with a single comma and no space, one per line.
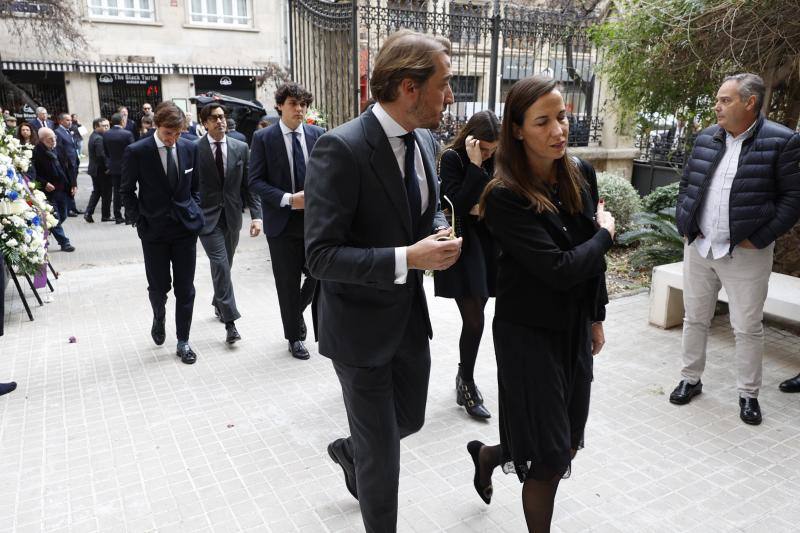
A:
471,308
538,497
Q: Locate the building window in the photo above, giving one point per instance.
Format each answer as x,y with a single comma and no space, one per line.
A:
234,12
127,9
465,88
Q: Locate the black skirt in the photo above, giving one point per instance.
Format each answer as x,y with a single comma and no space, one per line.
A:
544,381
475,272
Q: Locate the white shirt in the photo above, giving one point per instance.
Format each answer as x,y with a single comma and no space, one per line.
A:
162,152
223,146
393,131
287,141
714,220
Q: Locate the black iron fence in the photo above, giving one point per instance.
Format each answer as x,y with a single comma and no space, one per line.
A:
333,47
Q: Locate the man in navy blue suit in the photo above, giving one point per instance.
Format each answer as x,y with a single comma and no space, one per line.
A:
41,120
168,219
67,151
278,157
115,141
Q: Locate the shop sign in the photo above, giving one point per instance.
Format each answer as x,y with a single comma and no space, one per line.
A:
225,81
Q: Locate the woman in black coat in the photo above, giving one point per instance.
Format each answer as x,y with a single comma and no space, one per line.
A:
466,166
542,209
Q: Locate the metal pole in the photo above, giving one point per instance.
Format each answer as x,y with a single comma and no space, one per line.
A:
356,70
494,54
291,41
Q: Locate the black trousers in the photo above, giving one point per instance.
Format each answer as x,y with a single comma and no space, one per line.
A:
288,255
101,190
116,181
180,254
385,404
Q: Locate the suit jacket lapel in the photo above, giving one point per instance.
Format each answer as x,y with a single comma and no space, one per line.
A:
207,155
384,164
233,158
279,146
155,161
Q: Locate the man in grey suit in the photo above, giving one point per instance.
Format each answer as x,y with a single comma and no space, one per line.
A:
372,227
221,166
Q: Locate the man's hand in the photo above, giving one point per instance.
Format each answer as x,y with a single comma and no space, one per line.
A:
598,337
432,254
299,200
72,191
49,187
255,228
747,244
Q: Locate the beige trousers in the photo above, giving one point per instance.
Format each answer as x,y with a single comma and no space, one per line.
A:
745,276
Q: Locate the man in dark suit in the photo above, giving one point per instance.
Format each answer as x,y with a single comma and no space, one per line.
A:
372,228
67,151
239,136
41,120
221,170
167,217
98,170
127,122
54,181
115,141
277,173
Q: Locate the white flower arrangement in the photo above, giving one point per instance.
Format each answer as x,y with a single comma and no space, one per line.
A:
316,117
24,211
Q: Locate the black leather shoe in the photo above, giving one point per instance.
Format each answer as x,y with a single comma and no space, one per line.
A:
72,214
119,221
186,354
339,455
303,330
106,219
791,385
88,218
749,411
231,334
5,388
468,395
78,212
474,449
157,331
298,350
67,248
684,392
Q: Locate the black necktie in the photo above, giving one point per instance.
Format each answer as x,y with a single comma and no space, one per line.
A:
172,170
218,161
412,185
298,162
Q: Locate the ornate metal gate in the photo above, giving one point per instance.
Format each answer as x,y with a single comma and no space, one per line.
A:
492,47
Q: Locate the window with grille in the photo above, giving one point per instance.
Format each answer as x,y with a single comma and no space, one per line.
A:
233,12
465,88
125,9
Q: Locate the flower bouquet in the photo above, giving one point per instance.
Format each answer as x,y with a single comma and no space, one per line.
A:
24,211
316,117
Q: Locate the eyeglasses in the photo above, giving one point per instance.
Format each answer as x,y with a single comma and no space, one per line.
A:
217,117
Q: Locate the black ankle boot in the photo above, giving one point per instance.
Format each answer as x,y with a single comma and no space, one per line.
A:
468,395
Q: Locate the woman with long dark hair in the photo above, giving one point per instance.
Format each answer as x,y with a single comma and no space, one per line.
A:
543,211
466,166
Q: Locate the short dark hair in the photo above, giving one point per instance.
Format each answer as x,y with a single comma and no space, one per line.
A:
404,54
147,119
169,115
96,122
207,109
231,124
62,116
116,119
294,90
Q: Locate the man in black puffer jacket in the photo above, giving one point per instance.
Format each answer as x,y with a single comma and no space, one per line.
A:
739,192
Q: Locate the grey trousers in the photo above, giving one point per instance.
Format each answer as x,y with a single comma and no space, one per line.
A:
220,245
745,276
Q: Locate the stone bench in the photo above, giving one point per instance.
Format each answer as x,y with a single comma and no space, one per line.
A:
666,296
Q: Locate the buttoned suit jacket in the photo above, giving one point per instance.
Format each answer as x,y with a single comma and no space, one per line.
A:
357,213
67,152
270,176
229,195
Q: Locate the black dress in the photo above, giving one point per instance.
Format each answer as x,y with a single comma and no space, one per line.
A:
475,271
550,288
